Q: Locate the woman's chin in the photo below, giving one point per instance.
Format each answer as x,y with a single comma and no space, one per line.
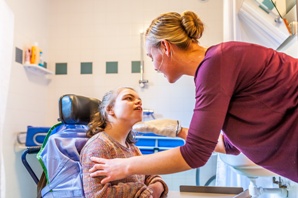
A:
171,80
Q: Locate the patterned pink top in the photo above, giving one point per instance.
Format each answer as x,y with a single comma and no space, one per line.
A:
102,145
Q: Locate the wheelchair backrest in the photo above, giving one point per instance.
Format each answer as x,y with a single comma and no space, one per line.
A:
59,155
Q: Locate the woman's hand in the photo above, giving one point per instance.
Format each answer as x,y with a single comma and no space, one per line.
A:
165,127
111,169
157,189
183,133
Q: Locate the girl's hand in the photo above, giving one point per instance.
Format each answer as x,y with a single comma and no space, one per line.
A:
157,189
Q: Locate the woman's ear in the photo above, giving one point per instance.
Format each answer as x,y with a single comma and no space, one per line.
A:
166,47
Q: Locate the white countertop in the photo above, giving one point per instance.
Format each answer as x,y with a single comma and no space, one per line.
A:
175,194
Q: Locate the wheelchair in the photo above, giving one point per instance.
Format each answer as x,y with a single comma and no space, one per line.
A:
59,154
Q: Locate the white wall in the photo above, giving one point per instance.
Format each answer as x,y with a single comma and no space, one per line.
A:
6,40
100,31
27,94
96,31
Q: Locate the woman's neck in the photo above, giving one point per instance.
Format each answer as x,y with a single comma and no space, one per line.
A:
195,57
190,60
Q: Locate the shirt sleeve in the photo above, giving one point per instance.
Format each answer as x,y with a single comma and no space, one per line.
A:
211,104
133,186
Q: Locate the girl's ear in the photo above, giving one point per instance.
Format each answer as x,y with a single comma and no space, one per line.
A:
110,110
166,47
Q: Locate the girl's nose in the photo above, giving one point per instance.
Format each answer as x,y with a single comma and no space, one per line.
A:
139,101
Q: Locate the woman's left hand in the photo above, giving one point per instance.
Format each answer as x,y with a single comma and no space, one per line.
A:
111,169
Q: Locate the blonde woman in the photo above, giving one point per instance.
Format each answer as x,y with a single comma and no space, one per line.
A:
247,91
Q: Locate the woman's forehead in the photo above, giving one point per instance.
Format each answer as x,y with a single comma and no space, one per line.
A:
148,46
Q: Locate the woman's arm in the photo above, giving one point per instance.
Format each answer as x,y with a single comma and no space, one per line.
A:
165,162
220,147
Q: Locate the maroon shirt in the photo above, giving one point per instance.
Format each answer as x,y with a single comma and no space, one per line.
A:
250,93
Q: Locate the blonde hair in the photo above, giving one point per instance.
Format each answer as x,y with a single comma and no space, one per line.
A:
180,30
100,120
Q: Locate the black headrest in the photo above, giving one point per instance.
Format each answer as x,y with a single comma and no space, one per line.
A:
74,109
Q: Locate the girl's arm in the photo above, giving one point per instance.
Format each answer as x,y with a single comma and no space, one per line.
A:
158,186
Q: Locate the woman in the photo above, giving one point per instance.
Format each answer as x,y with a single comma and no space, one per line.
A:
111,137
248,91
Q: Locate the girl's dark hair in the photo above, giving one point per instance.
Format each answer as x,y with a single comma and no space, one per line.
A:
99,120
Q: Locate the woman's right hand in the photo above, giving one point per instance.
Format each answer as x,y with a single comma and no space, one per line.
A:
183,133
111,169
165,127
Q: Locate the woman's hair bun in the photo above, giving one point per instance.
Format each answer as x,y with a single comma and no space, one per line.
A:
192,25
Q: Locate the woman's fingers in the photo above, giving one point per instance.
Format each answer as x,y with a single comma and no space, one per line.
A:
106,180
99,164
98,160
110,169
98,167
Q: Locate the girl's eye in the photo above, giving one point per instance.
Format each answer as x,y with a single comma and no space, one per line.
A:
129,98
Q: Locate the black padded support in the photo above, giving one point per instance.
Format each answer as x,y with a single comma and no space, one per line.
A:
75,109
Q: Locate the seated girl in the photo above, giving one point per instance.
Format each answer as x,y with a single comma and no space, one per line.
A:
111,137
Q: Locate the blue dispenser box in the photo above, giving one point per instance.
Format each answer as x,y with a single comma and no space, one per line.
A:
36,135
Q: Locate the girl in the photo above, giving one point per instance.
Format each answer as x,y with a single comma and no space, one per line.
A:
111,137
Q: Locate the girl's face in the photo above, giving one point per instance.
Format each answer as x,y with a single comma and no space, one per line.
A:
128,106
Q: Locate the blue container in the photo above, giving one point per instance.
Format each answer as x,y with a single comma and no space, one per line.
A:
36,135
171,142
147,151
151,143
145,142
